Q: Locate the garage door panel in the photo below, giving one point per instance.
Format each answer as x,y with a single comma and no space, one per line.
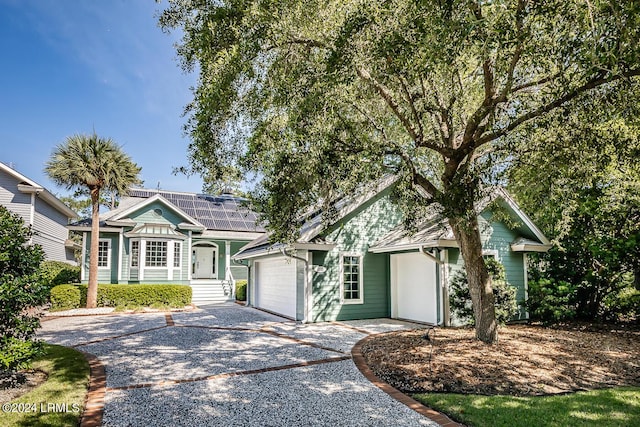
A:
276,286
415,296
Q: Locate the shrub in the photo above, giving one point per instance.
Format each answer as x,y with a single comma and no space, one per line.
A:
65,297
21,290
623,305
241,290
57,273
551,300
504,294
133,296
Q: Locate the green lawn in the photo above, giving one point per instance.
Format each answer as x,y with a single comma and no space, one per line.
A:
602,408
67,382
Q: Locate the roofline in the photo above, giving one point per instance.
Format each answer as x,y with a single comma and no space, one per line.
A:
87,228
356,203
523,216
40,191
275,249
155,198
440,243
530,247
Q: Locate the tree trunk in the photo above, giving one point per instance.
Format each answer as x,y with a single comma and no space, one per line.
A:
467,235
92,289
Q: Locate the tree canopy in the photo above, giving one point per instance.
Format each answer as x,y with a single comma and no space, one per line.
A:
319,97
95,164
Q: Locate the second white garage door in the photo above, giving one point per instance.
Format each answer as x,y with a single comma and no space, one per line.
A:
276,286
413,281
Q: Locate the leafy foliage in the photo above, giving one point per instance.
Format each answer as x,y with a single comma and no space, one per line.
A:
65,297
317,98
241,290
506,305
20,291
581,185
58,272
551,301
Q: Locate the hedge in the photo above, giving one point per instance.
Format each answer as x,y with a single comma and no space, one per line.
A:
241,290
65,297
122,296
57,273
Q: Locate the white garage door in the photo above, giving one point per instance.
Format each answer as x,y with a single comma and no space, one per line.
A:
414,288
276,286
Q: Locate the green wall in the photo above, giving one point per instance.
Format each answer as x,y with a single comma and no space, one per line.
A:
354,234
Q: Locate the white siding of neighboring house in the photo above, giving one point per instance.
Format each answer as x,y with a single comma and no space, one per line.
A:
48,223
13,199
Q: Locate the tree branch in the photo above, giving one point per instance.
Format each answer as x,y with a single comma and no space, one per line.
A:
387,96
591,84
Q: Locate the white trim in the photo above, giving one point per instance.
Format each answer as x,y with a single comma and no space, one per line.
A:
360,300
188,252
153,199
446,309
527,221
525,259
227,259
528,247
491,252
308,289
142,262
216,264
393,265
108,266
120,249
232,235
83,256
440,243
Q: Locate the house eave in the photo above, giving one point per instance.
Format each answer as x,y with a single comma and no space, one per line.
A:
440,243
524,247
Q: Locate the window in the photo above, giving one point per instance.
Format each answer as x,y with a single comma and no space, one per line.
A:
176,254
135,253
352,279
156,253
103,253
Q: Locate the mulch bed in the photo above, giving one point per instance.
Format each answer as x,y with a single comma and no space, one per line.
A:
526,361
12,386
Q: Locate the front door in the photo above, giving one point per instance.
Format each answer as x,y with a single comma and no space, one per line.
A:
204,263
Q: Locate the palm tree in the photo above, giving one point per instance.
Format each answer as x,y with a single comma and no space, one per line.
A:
88,161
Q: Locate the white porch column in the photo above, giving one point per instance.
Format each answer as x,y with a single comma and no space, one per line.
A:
83,257
143,261
120,253
189,250
227,260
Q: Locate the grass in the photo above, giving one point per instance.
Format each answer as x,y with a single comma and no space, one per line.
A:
603,408
67,382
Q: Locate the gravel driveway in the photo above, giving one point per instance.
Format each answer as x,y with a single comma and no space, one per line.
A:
233,366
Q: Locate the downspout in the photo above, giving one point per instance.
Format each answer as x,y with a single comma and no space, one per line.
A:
306,281
439,263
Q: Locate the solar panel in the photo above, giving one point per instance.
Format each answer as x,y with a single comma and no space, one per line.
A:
214,212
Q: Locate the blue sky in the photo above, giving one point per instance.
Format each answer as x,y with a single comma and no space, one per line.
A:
74,66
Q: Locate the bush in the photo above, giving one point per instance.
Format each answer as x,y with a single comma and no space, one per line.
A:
551,301
65,297
57,273
623,305
504,294
125,296
241,290
21,290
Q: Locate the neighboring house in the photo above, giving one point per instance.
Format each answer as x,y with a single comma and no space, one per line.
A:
44,212
172,237
365,265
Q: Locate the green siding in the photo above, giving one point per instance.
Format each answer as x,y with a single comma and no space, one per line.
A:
354,234
148,216
496,236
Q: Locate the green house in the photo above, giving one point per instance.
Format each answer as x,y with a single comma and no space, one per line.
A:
365,265
172,237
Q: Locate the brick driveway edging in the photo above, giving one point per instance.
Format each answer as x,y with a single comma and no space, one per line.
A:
433,415
94,403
